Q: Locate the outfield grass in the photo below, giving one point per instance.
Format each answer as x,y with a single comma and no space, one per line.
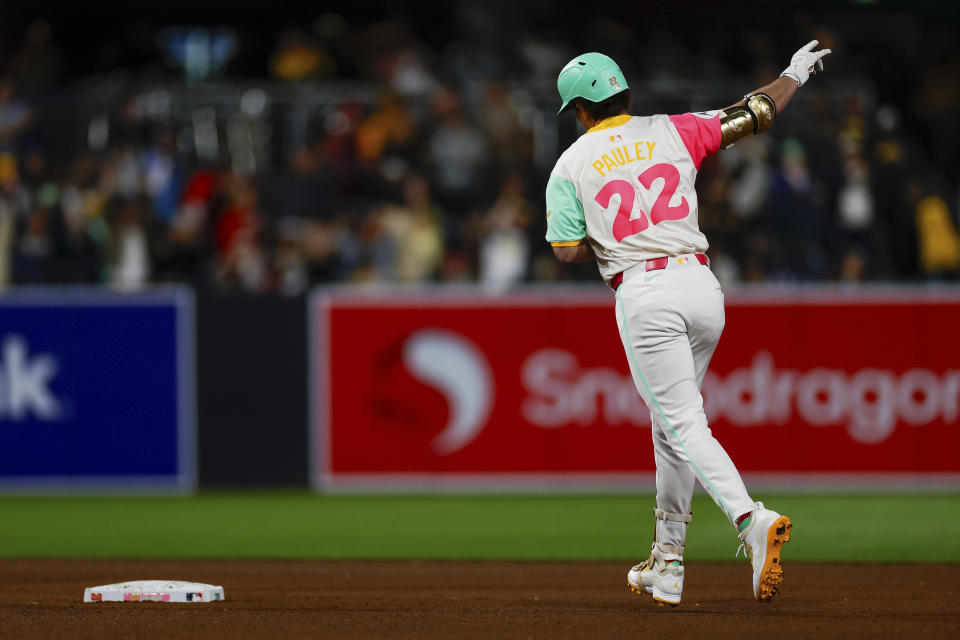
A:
848,528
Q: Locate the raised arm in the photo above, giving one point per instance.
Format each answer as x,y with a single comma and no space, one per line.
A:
756,112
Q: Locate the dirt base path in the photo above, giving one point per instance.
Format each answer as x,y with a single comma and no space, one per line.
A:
319,599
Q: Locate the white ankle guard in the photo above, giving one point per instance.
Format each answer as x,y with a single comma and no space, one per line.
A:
667,516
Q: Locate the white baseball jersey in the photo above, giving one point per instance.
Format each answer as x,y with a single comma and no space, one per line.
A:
627,185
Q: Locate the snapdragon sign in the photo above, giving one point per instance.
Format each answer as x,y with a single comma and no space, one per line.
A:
96,390
808,386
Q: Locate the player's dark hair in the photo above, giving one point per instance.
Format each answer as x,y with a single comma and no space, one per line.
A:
612,106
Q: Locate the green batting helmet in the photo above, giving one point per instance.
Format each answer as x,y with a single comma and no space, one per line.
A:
592,76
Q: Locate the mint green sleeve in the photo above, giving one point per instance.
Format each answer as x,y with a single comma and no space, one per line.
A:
565,221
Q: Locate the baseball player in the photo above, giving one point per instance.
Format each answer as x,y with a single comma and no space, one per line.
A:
623,195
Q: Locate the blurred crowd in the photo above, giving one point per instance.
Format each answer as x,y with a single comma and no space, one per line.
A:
435,172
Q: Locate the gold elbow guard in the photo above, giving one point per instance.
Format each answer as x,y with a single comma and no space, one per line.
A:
765,110
735,123
755,116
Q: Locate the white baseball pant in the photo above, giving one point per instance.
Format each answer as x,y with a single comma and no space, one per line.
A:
670,321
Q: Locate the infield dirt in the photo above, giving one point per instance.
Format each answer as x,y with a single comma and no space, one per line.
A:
337,599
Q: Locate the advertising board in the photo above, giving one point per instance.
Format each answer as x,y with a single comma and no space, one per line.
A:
96,390
440,390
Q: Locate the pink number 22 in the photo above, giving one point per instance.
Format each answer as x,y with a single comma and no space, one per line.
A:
623,226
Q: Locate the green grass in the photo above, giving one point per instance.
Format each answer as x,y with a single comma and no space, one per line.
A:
828,527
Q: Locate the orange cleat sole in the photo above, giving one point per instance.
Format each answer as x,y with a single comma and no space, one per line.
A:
771,577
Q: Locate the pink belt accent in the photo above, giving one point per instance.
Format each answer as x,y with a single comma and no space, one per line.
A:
655,264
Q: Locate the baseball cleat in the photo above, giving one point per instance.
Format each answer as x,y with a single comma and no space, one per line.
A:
653,576
763,540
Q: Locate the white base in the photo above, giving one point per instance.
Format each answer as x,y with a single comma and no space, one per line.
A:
154,591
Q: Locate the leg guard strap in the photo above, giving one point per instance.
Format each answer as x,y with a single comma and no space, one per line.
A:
660,514
670,548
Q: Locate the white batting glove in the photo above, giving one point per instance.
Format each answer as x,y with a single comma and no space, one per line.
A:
805,62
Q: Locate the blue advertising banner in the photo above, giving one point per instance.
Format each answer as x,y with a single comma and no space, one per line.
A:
97,390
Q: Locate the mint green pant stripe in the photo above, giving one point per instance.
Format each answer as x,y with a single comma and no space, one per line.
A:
633,360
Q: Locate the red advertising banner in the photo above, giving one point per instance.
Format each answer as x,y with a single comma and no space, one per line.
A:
441,389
